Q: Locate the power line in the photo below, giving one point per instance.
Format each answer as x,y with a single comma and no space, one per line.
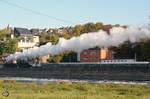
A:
35,12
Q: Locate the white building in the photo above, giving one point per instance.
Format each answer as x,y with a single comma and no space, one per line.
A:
27,38
26,42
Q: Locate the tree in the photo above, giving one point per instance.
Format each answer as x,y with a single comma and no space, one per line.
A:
8,47
57,58
11,46
54,39
2,48
77,30
4,34
124,51
89,27
98,26
44,37
65,35
145,50
69,56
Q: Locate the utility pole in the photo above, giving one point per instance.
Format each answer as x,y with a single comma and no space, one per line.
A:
135,57
149,20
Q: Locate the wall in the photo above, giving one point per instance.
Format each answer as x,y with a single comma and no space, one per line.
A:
91,71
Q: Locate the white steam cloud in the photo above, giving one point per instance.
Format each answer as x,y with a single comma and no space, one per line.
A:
117,36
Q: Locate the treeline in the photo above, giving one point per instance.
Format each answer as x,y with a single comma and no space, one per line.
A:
53,35
140,51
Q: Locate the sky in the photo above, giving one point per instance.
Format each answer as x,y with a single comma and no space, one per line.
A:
72,12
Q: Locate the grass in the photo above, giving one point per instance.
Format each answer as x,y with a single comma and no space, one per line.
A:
65,90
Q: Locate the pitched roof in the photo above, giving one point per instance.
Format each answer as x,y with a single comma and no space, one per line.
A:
35,31
22,32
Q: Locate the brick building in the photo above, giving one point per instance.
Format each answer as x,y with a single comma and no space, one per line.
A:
95,55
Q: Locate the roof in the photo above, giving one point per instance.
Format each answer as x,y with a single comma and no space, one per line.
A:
35,31
22,32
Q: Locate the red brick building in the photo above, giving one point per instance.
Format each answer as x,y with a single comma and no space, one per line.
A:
95,55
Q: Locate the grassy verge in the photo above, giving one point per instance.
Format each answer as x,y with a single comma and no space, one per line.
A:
65,90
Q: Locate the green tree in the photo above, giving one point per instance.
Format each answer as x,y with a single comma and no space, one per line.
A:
44,37
8,47
98,26
77,30
57,58
145,50
2,48
65,35
124,51
54,39
4,34
89,27
11,46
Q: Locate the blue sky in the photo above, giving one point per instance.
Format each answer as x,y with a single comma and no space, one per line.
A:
128,12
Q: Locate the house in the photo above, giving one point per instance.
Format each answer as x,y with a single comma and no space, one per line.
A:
27,39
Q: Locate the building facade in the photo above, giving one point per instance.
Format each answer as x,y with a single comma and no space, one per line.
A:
95,55
26,42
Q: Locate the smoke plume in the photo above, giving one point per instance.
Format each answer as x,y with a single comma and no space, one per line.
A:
117,36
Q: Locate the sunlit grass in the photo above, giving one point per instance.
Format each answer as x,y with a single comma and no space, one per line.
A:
65,90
